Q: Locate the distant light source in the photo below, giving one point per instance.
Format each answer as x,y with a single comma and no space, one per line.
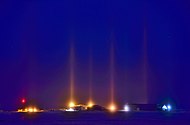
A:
90,104
112,108
169,107
29,109
23,101
126,108
35,109
70,110
71,104
164,108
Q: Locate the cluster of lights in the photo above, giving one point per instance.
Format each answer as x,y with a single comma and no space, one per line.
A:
167,108
72,105
29,109
90,104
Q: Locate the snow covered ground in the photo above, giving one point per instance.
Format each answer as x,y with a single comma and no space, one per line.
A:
95,118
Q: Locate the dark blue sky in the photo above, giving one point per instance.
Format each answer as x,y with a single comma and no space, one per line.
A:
151,39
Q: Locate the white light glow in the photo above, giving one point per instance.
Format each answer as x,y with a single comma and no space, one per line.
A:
169,107
126,108
164,108
70,110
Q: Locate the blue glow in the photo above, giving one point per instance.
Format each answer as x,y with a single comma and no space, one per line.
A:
169,107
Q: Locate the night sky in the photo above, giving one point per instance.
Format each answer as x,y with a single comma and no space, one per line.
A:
150,40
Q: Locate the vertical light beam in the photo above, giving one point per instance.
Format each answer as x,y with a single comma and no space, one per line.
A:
112,107
112,72
90,101
72,80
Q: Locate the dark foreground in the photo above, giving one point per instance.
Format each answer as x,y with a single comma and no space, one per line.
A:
95,118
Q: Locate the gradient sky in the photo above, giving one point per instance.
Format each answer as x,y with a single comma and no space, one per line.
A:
151,51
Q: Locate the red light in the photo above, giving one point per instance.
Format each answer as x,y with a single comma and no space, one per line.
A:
23,101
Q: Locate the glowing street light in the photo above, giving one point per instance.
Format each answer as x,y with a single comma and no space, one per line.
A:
112,108
126,108
90,104
169,107
71,104
164,108
29,109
